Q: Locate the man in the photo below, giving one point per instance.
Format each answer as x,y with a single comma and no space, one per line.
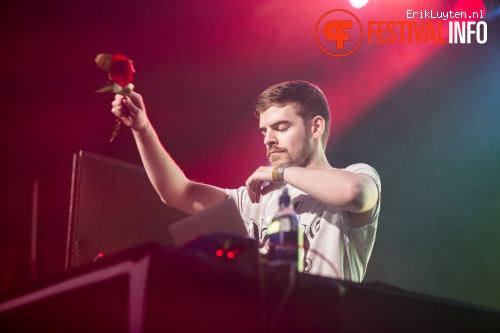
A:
338,208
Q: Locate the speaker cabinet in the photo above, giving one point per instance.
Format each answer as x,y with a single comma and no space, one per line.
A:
90,206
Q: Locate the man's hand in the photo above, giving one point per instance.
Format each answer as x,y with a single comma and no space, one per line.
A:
261,182
130,110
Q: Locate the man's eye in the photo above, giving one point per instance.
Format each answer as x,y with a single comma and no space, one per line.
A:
282,129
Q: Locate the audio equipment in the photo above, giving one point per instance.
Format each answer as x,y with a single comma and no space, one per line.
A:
90,206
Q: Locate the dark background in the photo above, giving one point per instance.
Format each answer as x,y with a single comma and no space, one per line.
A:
425,115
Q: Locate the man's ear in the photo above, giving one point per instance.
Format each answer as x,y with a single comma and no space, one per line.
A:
317,127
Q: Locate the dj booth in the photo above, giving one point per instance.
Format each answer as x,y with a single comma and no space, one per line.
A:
152,288
103,261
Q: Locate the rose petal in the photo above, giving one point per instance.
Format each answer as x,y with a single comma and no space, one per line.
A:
121,70
103,60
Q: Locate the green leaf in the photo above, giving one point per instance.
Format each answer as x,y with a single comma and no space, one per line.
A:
105,88
124,91
103,60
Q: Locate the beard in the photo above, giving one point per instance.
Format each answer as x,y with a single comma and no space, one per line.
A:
303,159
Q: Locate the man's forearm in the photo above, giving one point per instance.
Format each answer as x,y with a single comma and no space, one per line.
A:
340,188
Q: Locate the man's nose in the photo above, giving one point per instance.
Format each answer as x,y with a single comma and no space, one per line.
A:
270,138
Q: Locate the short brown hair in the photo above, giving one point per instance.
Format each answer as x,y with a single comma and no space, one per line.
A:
308,97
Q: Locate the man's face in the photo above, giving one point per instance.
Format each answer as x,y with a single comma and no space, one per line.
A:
286,137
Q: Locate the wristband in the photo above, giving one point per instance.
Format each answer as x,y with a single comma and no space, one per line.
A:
275,174
280,172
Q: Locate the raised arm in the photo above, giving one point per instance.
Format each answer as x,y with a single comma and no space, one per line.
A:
173,187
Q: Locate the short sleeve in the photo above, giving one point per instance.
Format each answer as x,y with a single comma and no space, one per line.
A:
365,169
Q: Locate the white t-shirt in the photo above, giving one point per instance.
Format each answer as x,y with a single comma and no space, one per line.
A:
332,247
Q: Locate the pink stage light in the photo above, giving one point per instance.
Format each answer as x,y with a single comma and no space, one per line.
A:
358,3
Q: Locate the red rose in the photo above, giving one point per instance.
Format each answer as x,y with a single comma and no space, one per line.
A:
121,70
